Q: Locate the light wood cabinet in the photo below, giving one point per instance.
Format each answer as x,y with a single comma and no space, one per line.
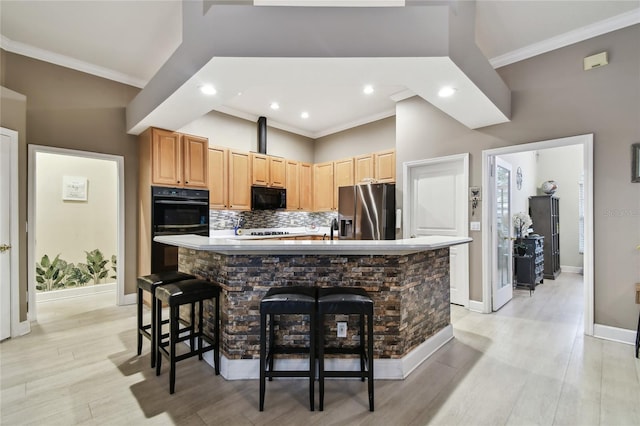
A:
260,169
385,166
218,178
176,159
277,172
324,187
364,168
343,176
306,186
293,185
239,180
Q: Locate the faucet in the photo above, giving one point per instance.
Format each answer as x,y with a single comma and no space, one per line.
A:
334,226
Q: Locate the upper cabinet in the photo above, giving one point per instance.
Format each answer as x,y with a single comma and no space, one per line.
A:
299,184
268,170
306,186
175,159
376,167
343,176
218,178
323,185
239,180
385,166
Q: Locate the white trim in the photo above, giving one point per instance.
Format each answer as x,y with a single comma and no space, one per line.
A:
586,141
17,328
614,334
572,269
614,23
69,62
68,293
119,160
406,187
475,306
386,369
129,299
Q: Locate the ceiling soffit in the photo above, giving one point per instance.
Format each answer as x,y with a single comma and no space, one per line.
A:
418,46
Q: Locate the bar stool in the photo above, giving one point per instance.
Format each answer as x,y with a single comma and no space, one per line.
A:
149,283
346,300
286,301
175,295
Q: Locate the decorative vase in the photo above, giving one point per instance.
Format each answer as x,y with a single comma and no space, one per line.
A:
549,187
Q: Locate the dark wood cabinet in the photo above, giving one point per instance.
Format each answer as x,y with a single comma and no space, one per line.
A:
545,214
529,261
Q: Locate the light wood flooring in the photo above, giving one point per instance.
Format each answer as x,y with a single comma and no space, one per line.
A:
527,364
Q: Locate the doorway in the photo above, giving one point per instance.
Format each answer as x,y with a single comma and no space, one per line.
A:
76,224
489,156
446,181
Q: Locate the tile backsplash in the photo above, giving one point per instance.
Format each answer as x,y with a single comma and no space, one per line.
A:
226,219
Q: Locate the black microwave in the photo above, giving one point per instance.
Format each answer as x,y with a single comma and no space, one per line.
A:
263,198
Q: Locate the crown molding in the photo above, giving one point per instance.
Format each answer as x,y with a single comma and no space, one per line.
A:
355,123
69,62
614,23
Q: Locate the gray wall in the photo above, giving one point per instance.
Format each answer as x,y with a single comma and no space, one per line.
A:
553,98
376,136
74,110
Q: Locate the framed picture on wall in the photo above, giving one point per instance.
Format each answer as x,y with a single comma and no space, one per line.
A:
635,162
74,188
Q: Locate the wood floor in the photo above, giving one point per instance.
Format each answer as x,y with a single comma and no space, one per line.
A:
526,364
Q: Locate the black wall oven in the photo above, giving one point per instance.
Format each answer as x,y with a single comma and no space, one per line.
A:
176,211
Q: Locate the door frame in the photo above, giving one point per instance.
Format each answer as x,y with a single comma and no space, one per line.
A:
17,328
407,166
586,141
119,160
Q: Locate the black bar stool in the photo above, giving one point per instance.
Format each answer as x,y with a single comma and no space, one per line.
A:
346,300
149,283
175,295
285,301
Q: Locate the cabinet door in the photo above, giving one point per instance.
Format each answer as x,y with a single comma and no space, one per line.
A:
260,169
218,178
239,181
385,166
306,186
293,185
196,158
343,176
277,172
323,186
166,163
364,169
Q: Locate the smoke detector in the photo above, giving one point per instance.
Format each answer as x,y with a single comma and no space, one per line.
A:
594,61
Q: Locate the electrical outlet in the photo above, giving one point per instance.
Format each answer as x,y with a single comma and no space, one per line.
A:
293,221
342,329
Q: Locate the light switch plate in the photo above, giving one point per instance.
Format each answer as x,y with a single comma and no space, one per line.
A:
342,329
474,226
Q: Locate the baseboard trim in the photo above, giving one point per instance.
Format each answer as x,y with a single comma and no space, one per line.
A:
21,329
386,369
476,306
130,299
66,293
572,269
614,334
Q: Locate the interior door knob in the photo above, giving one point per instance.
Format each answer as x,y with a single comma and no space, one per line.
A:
4,248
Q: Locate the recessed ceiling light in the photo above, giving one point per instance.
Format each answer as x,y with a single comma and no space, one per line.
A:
208,89
368,89
304,114
446,91
275,105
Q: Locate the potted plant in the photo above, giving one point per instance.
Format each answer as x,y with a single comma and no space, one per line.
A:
521,224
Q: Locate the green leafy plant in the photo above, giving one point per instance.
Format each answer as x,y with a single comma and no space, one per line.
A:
96,264
77,275
114,266
50,273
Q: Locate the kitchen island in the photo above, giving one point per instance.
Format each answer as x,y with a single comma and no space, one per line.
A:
407,279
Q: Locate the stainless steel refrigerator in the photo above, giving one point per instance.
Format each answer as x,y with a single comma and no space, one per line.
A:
367,212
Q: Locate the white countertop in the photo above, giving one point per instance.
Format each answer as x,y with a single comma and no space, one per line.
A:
236,245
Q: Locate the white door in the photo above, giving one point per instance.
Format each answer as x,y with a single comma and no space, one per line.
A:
436,203
7,179
502,252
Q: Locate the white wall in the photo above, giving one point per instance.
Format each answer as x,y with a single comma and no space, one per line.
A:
70,228
237,133
564,165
